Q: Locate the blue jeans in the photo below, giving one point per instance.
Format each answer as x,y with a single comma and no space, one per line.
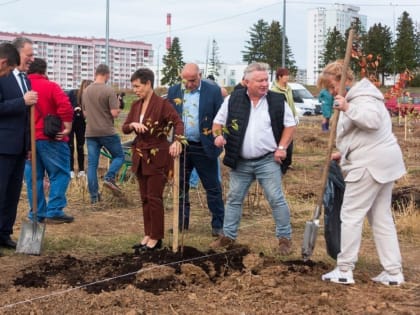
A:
194,178
268,173
52,158
94,145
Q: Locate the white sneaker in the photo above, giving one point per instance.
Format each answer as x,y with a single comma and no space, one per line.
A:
389,279
81,174
71,174
338,276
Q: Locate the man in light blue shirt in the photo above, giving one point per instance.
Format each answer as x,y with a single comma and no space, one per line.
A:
197,102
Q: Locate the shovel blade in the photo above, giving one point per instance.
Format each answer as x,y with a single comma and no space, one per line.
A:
31,238
309,238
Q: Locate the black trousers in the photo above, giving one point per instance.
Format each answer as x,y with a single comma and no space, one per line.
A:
207,169
77,133
11,177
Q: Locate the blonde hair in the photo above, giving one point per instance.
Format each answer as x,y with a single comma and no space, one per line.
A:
324,82
335,70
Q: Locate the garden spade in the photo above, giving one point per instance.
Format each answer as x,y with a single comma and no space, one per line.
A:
311,227
32,233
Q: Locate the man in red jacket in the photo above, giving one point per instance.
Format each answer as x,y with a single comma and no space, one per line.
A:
52,154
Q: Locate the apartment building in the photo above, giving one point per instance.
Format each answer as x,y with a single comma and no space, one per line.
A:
73,59
320,21
229,74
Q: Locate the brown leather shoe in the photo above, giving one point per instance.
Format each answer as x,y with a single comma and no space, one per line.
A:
222,241
285,246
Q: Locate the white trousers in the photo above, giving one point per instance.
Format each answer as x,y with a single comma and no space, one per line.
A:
366,197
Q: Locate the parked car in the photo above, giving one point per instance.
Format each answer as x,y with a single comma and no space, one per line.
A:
394,104
305,103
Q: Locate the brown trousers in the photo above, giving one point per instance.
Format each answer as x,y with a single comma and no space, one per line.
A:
151,191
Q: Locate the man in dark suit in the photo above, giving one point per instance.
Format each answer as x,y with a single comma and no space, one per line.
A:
15,99
197,102
9,58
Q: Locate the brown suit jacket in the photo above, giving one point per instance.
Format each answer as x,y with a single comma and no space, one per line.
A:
150,150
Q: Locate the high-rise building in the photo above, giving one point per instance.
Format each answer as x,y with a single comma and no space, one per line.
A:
73,59
320,21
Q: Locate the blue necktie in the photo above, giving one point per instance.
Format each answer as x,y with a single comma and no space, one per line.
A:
22,76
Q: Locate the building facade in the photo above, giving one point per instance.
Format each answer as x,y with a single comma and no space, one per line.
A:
73,59
320,21
229,74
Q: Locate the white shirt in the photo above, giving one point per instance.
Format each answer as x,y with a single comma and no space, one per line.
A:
17,77
259,139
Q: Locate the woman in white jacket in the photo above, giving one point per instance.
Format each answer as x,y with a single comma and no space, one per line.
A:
371,161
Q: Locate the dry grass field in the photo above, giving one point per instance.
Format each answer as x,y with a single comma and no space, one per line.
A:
88,267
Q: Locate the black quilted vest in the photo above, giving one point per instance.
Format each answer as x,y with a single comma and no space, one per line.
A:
239,109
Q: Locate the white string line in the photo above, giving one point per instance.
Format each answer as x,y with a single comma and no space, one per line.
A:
113,278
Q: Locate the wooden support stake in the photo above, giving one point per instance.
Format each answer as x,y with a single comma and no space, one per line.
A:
175,207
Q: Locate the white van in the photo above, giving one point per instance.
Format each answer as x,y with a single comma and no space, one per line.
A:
305,102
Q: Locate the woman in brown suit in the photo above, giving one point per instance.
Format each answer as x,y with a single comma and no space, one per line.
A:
151,118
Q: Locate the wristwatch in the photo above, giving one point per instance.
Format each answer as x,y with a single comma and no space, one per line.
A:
281,148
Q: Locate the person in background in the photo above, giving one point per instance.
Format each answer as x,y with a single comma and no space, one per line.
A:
326,99
197,102
280,86
78,130
52,155
225,93
9,58
148,118
13,114
100,107
120,97
211,78
240,85
371,161
255,150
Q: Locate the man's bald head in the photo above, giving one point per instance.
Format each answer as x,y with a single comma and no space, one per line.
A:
190,75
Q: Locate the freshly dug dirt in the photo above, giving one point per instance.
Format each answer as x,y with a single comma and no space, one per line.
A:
88,267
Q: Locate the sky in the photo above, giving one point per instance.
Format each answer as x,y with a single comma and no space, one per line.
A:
195,22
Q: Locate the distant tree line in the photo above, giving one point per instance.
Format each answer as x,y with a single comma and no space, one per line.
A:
265,45
395,55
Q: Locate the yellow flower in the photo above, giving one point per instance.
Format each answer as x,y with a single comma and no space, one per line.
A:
177,101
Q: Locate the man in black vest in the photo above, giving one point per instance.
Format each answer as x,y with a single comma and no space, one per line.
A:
256,149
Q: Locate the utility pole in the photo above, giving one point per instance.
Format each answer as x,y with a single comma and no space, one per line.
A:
207,59
394,35
283,48
107,34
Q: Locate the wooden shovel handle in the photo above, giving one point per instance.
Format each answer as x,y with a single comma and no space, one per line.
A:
333,130
33,164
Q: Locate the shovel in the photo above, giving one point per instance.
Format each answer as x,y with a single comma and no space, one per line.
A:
311,227
32,233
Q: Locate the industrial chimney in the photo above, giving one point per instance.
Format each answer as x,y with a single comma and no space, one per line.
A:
168,38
